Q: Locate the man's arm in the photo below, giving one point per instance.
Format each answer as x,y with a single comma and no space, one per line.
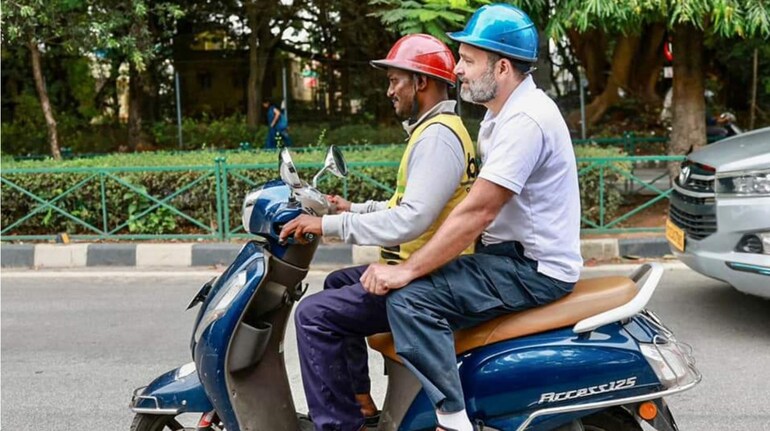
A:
368,207
506,169
276,116
435,169
464,224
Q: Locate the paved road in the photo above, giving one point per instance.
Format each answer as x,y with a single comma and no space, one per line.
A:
74,346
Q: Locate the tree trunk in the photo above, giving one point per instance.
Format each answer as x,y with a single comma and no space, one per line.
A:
261,46
622,63
138,139
590,49
542,73
689,107
644,78
753,108
45,102
254,99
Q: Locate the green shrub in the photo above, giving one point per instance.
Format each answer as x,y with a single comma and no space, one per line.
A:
199,202
590,183
28,134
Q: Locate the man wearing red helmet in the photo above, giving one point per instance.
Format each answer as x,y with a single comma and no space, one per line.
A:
436,172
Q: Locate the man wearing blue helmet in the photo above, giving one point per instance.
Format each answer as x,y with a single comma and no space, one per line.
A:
524,209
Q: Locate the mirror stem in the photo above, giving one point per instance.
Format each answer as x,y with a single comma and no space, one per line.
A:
317,177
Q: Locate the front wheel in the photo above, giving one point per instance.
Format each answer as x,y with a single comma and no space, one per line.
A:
143,422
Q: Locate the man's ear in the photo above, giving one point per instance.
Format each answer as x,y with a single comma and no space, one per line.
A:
504,67
422,82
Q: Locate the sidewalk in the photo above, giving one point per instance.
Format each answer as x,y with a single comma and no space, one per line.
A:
213,254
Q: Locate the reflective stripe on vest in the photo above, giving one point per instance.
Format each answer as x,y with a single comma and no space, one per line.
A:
399,253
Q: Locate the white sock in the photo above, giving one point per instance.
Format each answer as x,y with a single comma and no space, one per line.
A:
457,420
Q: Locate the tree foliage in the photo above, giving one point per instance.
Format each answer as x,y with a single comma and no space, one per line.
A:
632,31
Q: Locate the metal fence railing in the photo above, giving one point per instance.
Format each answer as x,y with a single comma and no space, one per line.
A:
619,179
203,202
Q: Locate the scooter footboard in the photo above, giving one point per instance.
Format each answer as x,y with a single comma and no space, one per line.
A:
177,391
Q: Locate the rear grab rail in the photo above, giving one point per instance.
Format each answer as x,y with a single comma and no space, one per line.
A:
653,272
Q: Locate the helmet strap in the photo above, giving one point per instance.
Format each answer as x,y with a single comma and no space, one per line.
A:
523,67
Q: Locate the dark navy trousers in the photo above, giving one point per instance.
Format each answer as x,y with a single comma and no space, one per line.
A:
331,327
467,291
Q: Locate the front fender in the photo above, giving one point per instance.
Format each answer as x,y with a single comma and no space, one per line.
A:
177,391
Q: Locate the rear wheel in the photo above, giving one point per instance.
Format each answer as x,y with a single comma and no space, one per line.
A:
610,420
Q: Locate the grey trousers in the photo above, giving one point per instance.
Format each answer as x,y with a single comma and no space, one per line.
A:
469,290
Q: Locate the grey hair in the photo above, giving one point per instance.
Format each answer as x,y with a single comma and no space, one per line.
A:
521,67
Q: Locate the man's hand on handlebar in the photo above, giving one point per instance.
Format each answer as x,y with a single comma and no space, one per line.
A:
339,202
301,227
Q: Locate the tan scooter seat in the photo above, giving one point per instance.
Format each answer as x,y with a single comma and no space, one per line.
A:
588,298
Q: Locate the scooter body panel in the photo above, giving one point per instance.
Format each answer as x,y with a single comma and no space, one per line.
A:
210,351
505,382
178,390
246,253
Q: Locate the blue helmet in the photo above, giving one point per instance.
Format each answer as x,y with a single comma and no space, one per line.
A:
502,29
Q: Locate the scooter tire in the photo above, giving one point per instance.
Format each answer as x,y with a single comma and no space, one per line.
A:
610,420
144,422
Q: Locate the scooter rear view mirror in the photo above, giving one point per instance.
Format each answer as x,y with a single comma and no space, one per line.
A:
334,163
288,171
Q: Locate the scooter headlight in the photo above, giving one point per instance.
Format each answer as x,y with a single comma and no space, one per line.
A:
221,302
185,370
672,362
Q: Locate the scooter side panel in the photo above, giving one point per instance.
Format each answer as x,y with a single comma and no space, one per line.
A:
174,390
506,381
246,254
210,351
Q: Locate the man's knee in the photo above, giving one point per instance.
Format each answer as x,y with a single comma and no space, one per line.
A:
308,311
335,280
418,297
399,302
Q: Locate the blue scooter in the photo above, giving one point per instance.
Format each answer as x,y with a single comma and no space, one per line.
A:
596,360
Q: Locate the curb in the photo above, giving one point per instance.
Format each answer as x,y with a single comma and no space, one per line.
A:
188,255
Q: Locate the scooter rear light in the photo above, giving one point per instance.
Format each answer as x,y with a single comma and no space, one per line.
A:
670,362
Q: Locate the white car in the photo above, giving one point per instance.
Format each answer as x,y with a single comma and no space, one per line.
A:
719,217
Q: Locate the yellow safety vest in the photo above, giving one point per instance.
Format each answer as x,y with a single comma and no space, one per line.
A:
399,253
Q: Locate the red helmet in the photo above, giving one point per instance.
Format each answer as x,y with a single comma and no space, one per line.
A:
423,54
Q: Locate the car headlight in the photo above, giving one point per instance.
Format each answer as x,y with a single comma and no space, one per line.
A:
748,183
221,302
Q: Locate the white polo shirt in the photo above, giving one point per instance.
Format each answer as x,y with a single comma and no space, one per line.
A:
527,149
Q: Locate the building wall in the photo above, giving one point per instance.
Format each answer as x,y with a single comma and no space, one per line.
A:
214,81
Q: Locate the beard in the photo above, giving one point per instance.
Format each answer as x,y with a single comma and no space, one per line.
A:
402,112
480,90
403,108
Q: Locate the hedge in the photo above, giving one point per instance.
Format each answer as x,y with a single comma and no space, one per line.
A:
209,134
199,202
